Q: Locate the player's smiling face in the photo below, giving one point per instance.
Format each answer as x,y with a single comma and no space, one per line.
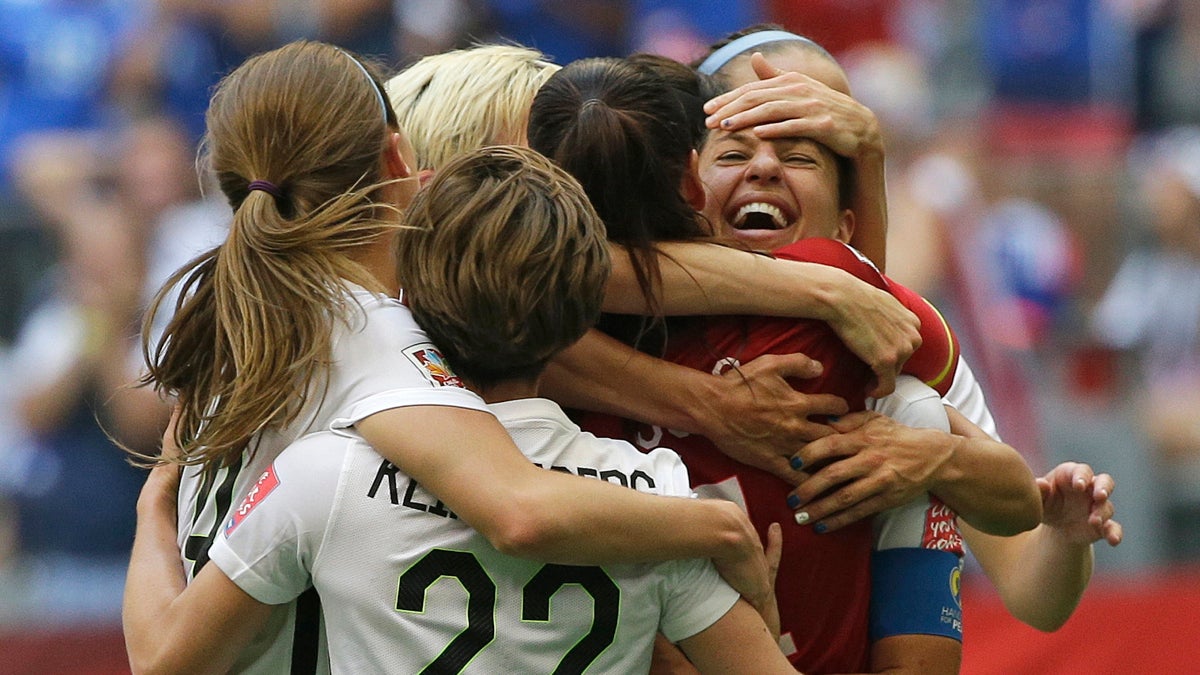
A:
770,193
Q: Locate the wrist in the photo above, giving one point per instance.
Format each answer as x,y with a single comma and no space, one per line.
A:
948,471
871,149
159,495
735,540
1062,537
825,286
701,410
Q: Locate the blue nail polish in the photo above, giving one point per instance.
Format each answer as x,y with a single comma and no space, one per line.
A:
793,502
797,463
820,528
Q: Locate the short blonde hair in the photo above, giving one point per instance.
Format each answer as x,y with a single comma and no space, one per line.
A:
461,100
503,263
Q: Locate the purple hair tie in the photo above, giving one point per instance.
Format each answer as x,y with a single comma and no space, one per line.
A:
267,187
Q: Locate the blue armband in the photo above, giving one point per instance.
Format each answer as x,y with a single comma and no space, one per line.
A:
915,591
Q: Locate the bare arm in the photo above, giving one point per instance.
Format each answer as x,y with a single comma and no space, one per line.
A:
916,655
711,279
787,105
753,416
471,463
166,629
738,642
1041,574
885,464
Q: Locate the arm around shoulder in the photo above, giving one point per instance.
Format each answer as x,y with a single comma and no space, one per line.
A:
169,626
472,465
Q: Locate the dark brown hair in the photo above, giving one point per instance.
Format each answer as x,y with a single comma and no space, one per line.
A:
624,133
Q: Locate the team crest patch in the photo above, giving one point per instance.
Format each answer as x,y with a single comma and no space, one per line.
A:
956,584
265,485
433,365
941,529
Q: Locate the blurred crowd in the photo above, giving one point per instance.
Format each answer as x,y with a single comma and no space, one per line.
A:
1044,188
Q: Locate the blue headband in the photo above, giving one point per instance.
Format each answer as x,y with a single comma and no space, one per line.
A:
718,59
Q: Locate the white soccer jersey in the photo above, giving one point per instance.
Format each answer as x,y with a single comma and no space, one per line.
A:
966,396
922,522
406,585
381,360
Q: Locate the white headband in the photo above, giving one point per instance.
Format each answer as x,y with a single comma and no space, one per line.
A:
724,55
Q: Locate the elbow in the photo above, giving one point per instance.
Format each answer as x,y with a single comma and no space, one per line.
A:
164,663
1043,618
521,531
1028,514
1048,624
1020,513
1024,520
1016,523
148,663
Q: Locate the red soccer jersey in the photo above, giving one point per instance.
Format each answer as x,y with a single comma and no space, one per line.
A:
824,580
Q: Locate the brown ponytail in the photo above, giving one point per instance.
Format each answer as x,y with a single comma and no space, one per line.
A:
251,332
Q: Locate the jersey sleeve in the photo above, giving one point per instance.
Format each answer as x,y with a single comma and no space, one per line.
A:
966,396
916,565
696,598
384,360
271,540
935,360
671,476
834,253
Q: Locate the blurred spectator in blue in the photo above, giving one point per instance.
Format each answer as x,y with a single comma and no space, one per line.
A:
683,29
77,351
425,27
55,62
1033,265
1152,310
1047,50
564,30
186,46
56,59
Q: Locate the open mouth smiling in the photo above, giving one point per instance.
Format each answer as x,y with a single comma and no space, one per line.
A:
759,216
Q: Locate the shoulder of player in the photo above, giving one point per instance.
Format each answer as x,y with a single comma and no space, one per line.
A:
913,403
318,456
833,253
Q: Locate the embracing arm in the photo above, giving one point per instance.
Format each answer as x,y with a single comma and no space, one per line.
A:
703,279
469,461
916,655
171,627
738,642
753,415
986,482
1041,574
885,464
